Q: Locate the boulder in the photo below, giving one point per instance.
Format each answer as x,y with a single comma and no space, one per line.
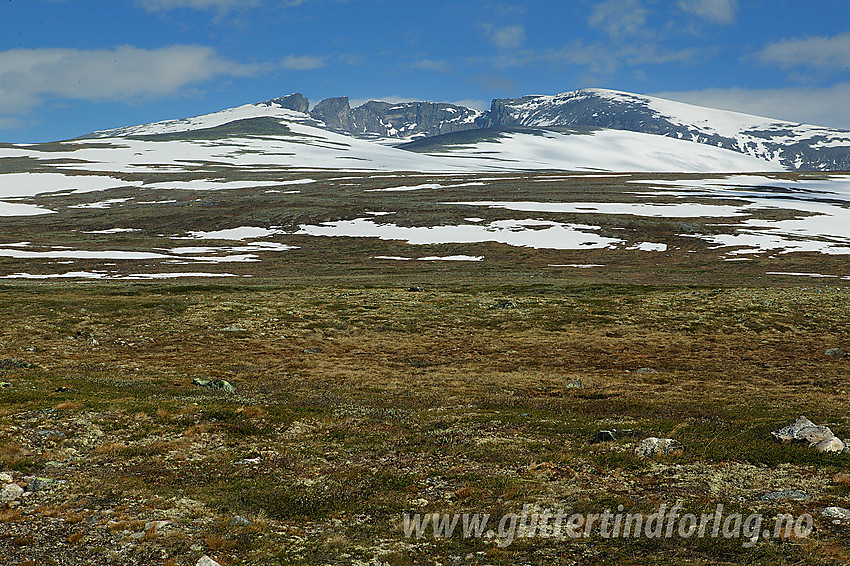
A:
803,430
217,384
653,446
820,438
11,492
786,494
206,561
605,436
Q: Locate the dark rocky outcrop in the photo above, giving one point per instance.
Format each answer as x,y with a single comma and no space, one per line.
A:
294,101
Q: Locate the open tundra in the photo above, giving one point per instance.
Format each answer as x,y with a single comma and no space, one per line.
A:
269,334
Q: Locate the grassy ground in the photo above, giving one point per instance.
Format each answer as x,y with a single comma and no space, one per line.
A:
358,403
358,400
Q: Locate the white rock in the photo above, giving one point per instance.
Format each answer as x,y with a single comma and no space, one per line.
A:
839,513
803,429
207,561
6,478
11,492
652,446
830,445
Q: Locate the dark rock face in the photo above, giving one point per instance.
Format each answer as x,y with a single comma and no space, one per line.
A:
294,101
335,113
376,119
421,119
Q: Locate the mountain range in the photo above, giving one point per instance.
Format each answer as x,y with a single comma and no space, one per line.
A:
445,129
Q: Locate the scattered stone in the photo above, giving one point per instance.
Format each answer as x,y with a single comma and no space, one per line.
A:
575,384
12,363
612,435
838,513
416,289
605,436
217,384
234,328
63,389
786,494
11,492
207,561
240,521
646,370
157,526
249,461
836,353
50,435
804,430
653,446
504,305
312,351
5,385
41,484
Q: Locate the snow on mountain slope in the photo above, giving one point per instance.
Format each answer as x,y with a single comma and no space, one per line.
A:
794,146
269,109
196,145
273,137
595,149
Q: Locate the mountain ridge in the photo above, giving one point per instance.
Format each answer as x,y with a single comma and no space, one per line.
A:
791,145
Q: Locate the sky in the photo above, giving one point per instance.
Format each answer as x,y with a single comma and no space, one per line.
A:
69,67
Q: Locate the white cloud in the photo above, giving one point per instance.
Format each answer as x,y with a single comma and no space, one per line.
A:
507,37
122,74
822,106
431,65
302,62
619,18
117,74
601,60
818,52
11,123
716,11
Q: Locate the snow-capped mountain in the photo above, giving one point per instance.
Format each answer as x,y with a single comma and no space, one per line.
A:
791,145
783,144
278,133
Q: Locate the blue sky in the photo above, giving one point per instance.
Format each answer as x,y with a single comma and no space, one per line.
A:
68,67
